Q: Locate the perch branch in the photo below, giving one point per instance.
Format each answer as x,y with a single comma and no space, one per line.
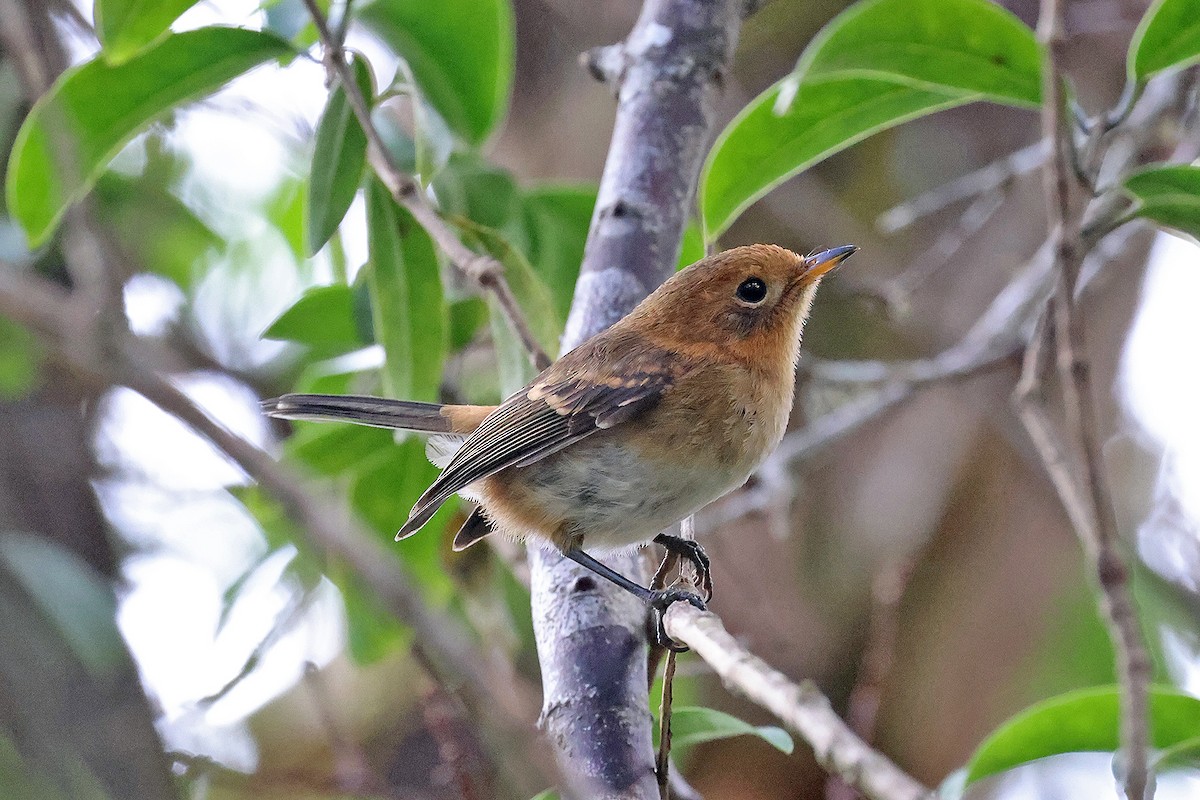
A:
801,707
406,191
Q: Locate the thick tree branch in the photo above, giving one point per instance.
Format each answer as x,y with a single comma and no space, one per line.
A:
405,190
801,707
591,637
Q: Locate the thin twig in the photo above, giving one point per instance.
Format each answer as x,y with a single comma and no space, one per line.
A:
1095,521
662,764
801,707
406,191
878,657
981,181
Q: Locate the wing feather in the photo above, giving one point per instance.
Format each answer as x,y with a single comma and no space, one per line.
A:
568,402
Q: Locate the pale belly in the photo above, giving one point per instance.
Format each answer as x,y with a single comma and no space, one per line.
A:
604,493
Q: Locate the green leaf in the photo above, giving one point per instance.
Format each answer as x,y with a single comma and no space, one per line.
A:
1185,755
406,299
466,318
531,292
461,53
760,150
694,725
1168,37
323,319
92,110
1169,196
691,249
339,156
126,26
331,448
372,631
156,227
71,597
557,219
876,65
470,188
19,355
973,46
1081,721
549,794
386,487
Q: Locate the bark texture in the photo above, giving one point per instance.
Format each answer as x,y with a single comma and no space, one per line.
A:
591,635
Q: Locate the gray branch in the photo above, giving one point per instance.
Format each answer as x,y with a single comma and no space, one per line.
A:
591,635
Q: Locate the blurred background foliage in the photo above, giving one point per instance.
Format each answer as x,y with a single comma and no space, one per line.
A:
154,602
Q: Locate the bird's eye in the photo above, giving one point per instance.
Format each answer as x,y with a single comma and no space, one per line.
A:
752,291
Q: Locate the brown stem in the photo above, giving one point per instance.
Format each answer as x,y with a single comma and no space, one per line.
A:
662,764
1090,506
481,268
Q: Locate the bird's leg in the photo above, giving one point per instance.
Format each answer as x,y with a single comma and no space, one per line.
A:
693,552
658,599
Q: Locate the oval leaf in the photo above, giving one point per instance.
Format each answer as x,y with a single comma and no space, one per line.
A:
406,299
965,45
94,109
126,26
461,53
759,149
556,224
339,155
1169,196
323,319
1080,722
1168,37
694,724
879,63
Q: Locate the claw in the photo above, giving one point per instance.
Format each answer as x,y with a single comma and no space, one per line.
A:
659,602
693,552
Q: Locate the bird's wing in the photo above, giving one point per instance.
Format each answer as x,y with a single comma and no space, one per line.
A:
571,400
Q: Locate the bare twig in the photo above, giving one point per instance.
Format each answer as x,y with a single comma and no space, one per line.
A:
1090,506
801,707
982,181
662,764
879,653
406,191
898,291
440,715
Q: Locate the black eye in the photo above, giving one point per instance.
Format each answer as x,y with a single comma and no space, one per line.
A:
752,290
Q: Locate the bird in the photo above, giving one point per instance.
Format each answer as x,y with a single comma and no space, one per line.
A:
673,406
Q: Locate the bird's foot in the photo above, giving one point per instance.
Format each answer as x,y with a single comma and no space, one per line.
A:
660,600
694,553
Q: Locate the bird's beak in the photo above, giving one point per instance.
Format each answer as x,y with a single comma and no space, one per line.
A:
819,264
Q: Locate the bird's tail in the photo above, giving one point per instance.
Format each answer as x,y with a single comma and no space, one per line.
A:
378,412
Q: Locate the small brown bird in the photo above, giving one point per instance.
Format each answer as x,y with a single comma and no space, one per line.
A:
633,430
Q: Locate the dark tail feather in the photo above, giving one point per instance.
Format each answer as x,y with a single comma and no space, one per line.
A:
475,528
378,412
422,513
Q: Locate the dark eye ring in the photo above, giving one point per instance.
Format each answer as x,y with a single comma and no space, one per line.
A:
752,290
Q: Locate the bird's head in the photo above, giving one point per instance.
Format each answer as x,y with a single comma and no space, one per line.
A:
744,298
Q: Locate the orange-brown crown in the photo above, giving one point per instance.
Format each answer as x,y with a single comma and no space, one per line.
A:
746,294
